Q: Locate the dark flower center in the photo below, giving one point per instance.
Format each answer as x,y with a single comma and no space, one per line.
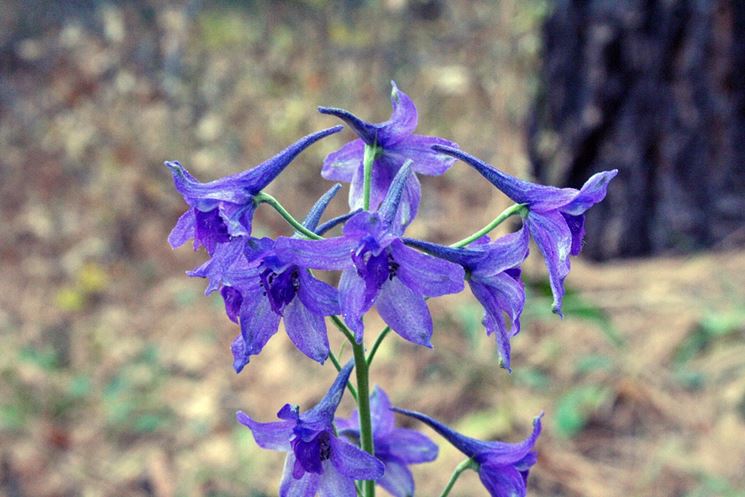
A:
280,288
310,455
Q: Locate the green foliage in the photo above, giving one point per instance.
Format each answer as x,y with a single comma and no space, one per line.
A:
576,406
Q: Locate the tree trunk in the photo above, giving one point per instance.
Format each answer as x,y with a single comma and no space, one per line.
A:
656,89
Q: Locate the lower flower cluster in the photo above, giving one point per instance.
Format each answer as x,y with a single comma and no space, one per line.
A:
265,282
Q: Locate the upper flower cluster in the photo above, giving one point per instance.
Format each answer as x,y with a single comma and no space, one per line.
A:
265,281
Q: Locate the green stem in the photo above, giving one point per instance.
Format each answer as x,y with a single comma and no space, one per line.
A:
344,329
467,464
367,163
377,343
363,406
337,365
265,198
512,210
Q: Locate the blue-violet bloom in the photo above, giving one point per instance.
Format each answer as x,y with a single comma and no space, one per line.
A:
318,462
502,467
493,273
392,142
555,216
259,288
395,447
223,208
377,268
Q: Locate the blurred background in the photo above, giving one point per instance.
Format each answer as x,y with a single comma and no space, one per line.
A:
115,376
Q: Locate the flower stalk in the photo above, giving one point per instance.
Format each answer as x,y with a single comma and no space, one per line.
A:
502,217
460,468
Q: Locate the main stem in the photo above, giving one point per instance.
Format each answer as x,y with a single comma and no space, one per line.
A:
467,464
363,406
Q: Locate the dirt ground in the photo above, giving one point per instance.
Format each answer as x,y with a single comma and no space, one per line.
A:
116,376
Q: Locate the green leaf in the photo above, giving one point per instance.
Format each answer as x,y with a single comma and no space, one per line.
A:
575,407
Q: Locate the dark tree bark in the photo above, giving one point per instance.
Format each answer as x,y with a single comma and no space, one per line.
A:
655,88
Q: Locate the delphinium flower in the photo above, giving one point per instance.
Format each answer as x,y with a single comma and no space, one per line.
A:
377,268
493,273
555,216
260,288
223,208
395,447
391,143
318,461
502,467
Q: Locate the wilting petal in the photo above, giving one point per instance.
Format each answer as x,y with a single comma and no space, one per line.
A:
502,481
554,239
342,164
334,483
321,298
258,323
305,486
403,120
410,446
352,301
419,149
405,311
272,436
183,230
330,254
397,479
354,462
307,330
592,192
425,274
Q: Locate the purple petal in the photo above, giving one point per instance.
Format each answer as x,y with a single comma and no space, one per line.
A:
330,254
352,301
217,268
592,192
554,240
368,132
410,446
183,230
397,479
305,486
512,453
206,195
354,462
240,355
577,228
403,120
419,149
238,219
272,436
405,311
307,330
342,164
321,298
233,301
322,414
425,274
383,420
506,252
209,229
334,483
258,323
409,206
502,481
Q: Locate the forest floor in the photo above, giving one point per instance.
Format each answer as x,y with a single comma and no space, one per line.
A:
117,378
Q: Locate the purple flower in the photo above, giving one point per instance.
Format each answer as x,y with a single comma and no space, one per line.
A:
395,447
224,208
377,268
317,460
259,288
393,143
493,273
555,218
502,467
